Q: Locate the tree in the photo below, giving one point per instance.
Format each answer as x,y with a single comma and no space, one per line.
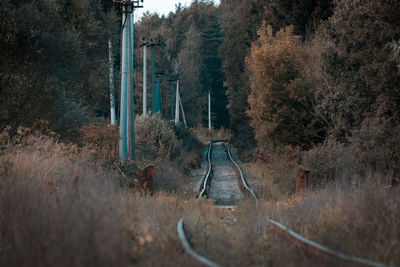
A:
190,39
240,32
360,77
359,80
48,67
280,98
304,15
213,76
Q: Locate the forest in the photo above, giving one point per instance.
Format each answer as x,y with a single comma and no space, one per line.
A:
280,73
314,83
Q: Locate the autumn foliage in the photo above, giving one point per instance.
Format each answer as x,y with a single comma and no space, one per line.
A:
280,98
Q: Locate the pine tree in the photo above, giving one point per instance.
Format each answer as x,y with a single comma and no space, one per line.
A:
213,75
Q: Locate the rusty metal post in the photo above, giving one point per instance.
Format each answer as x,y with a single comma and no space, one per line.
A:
302,180
146,180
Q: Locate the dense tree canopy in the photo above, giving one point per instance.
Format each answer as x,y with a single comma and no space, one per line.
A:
280,72
189,41
280,99
54,62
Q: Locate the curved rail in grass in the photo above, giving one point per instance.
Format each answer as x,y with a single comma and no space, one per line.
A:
189,250
241,176
324,250
204,187
181,232
298,238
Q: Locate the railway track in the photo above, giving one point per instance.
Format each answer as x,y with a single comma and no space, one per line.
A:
225,184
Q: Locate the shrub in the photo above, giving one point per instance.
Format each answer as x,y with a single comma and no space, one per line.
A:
280,99
155,139
274,173
329,162
206,135
377,147
169,177
102,139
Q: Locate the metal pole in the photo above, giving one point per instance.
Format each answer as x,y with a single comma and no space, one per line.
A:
129,75
153,98
177,103
209,111
157,96
145,80
172,101
124,85
111,79
131,90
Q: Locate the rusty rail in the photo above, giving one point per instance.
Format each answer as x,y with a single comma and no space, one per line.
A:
244,183
312,247
308,246
203,188
180,228
188,248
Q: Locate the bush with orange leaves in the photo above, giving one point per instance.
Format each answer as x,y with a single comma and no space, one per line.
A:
280,99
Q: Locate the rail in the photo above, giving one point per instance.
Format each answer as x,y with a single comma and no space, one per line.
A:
311,246
189,249
180,229
316,248
205,180
241,175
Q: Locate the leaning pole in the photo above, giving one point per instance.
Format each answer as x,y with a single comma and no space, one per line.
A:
177,103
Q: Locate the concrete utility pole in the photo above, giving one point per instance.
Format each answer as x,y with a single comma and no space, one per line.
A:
153,90
145,79
158,107
111,79
159,97
126,128
153,93
209,110
157,94
124,86
177,103
131,90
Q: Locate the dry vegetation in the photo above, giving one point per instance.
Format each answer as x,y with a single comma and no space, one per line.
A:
205,135
347,208
359,223
61,206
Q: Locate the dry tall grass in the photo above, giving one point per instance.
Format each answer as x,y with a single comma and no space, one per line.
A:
362,222
274,177
205,135
59,207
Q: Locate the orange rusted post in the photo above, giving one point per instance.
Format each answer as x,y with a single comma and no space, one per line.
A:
146,179
302,180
